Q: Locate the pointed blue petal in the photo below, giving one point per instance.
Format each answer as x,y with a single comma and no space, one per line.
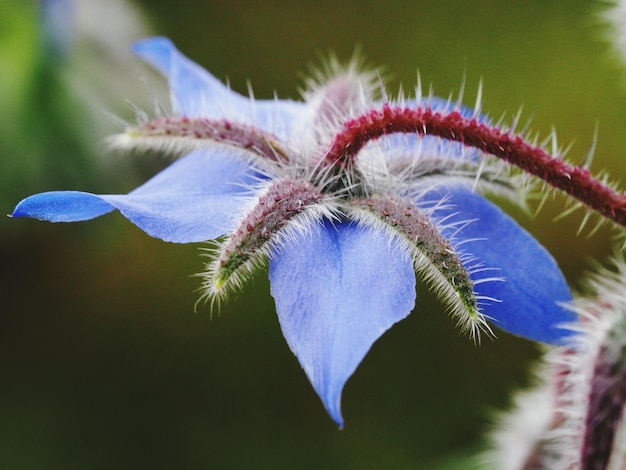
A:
197,198
533,289
337,289
195,92
62,206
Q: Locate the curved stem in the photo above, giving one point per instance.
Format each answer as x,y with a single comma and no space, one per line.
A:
573,180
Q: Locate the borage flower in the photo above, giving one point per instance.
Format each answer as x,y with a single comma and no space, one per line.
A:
345,227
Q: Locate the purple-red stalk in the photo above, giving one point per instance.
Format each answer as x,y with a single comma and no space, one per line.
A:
573,180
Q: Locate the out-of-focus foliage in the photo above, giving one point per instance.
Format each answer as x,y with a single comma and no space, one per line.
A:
65,69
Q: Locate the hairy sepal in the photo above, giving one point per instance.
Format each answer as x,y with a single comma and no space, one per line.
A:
284,206
178,135
434,257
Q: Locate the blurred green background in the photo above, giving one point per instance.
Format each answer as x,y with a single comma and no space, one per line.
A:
103,361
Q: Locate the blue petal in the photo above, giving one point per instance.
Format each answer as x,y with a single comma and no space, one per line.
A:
533,290
62,206
337,289
195,92
197,198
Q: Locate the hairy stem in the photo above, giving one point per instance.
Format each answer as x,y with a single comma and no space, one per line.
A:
573,180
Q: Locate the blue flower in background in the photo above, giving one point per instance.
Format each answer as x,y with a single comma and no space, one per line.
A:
343,239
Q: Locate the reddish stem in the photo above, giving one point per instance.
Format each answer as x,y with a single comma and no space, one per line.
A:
573,180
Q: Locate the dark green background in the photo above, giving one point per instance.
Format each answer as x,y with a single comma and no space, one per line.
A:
103,361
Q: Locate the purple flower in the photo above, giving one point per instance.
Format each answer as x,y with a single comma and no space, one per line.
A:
343,238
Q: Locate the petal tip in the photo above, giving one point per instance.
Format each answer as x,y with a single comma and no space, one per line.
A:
146,47
335,414
23,209
62,206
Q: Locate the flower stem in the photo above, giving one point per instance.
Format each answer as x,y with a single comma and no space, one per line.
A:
574,180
